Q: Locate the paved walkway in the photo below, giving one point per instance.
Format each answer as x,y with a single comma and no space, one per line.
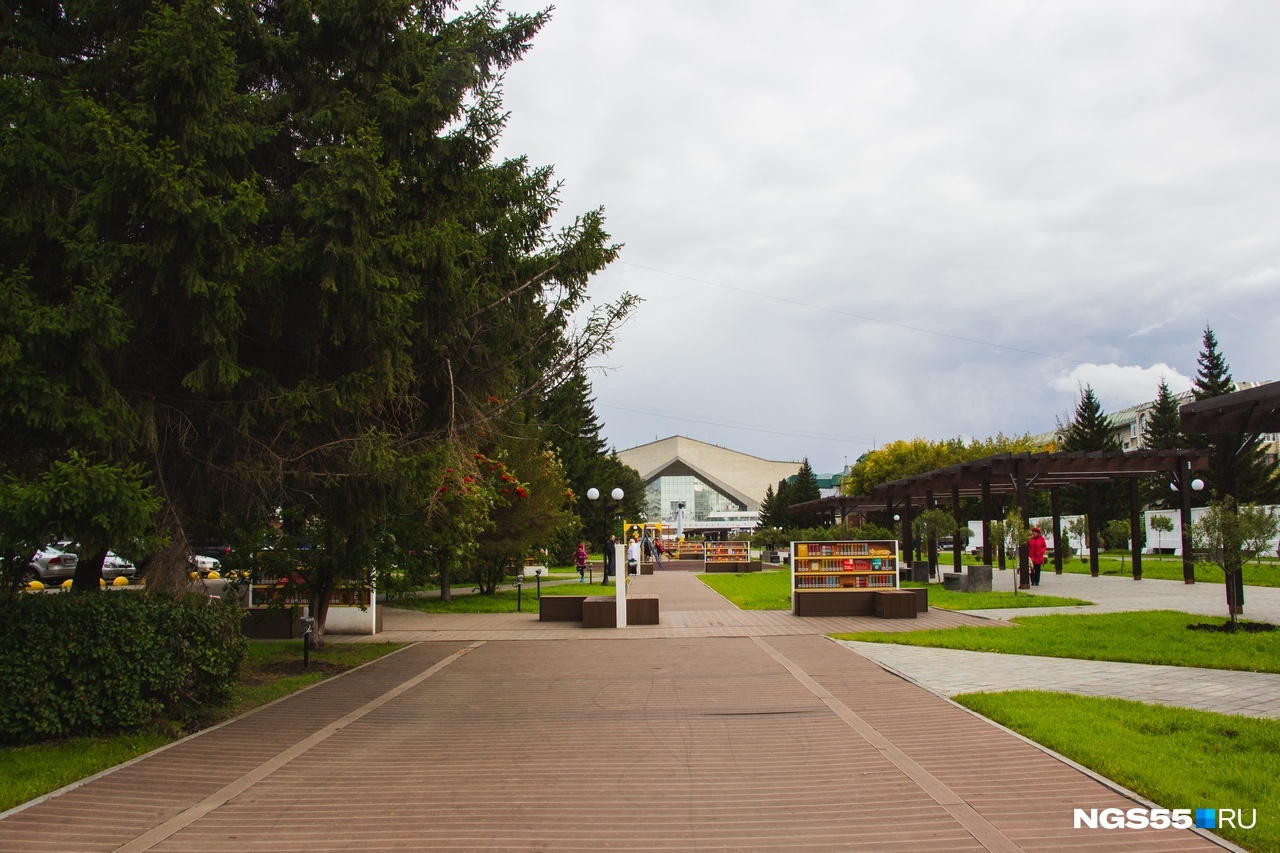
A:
772,738
1112,594
950,671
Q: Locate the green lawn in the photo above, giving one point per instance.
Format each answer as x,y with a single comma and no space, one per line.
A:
1156,636
753,590
1266,573
772,591
272,669
1175,757
502,601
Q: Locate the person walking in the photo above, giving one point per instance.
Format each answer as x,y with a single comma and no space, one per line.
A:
1036,548
581,559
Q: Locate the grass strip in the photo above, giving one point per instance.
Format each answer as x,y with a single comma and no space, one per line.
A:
1175,757
1153,636
772,591
272,669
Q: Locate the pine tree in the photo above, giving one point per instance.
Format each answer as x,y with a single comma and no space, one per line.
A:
1162,431
782,499
1237,469
1213,375
1090,429
767,510
804,487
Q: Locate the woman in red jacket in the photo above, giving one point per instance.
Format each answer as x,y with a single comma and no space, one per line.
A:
1036,548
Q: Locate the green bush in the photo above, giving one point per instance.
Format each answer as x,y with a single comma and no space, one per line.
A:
88,662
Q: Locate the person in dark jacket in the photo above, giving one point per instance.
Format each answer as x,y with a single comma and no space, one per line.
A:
610,557
1036,548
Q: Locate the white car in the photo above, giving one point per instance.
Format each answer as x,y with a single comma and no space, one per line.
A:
204,565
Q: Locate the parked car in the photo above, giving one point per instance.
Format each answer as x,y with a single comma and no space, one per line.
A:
204,565
114,566
51,565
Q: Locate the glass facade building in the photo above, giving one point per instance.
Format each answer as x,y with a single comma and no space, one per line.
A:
664,495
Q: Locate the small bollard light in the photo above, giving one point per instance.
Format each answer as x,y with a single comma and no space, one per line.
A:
519,589
537,575
307,625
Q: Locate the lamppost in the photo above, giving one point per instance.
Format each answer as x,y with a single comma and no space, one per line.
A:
593,494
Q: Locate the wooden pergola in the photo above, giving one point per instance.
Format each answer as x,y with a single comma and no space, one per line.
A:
1019,474
1243,416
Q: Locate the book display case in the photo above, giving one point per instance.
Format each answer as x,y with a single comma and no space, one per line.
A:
727,556
842,578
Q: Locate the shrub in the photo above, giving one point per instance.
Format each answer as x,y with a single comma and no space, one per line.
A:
87,662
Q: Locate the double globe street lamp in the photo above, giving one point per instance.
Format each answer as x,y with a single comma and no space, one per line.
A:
620,584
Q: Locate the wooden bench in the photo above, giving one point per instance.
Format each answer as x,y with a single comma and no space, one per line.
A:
895,603
600,611
922,598
560,608
642,610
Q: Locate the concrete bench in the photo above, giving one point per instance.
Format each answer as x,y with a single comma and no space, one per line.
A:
973,579
560,608
895,604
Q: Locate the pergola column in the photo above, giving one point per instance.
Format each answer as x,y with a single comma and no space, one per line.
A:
1020,494
1056,508
1135,529
986,521
1091,507
1184,495
956,548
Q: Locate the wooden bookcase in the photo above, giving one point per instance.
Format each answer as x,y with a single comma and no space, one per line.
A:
732,556
841,578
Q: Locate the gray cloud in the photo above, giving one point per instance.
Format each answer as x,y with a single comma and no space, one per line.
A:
1043,177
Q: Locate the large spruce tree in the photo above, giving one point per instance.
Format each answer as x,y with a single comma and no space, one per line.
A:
1162,431
265,253
1091,430
1237,467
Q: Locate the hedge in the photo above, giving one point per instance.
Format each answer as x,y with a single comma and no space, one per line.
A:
80,663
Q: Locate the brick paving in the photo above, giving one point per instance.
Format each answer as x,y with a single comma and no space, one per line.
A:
952,671
773,740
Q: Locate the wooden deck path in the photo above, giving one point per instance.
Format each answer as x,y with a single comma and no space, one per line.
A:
783,741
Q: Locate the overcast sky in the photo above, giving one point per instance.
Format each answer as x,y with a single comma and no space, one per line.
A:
858,222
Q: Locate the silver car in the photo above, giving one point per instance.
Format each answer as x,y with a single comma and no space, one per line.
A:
51,565
56,563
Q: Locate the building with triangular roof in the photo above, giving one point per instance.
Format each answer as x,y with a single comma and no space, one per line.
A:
712,482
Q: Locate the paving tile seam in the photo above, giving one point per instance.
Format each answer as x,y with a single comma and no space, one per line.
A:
1092,774
21,807
165,830
978,826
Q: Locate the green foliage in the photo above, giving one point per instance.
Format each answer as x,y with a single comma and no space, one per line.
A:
1174,757
1090,429
804,486
272,255
903,458
1227,535
82,663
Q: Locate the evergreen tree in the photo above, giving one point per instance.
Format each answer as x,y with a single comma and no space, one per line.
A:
1162,431
781,500
1213,375
804,486
267,253
1237,468
767,510
1090,429
571,426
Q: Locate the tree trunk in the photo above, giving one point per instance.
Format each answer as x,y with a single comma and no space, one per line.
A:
168,571
88,577
446,593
